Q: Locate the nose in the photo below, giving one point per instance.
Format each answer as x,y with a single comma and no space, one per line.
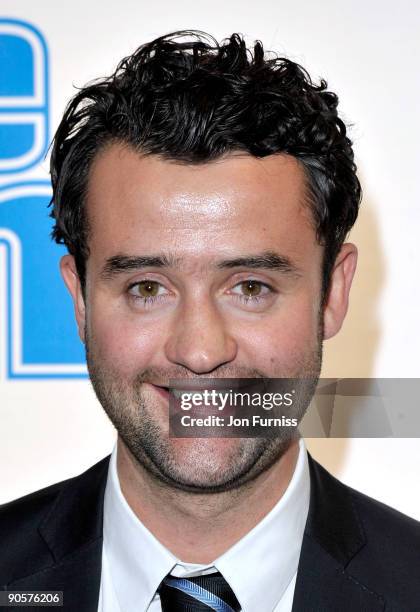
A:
200,340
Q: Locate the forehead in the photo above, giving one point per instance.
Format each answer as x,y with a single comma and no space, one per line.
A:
134,201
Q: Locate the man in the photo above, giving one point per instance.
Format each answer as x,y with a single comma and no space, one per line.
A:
204,194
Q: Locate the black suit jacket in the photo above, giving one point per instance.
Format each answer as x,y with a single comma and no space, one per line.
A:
357,554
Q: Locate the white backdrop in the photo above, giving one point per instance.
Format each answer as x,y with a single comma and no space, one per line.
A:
369,53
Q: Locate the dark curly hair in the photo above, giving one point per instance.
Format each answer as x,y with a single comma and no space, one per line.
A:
193,101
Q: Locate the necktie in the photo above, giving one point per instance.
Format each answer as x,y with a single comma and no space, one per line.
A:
197,594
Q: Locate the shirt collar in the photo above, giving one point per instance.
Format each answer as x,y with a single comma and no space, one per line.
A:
264,561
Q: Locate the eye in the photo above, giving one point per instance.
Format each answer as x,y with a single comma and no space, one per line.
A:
147,288
252,290
147,291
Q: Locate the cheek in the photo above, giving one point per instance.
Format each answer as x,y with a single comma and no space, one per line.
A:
124,344
284,338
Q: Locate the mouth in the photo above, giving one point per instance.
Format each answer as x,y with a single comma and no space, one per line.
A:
178,393
175,394
179,400
173,399
163,391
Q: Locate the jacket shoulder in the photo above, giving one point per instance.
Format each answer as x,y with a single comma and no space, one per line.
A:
392,530
375,519
391,557
22,545
374,545
20,517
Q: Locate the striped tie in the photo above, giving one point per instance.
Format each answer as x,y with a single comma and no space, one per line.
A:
197,594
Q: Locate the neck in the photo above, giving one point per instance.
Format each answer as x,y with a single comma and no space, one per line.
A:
198,528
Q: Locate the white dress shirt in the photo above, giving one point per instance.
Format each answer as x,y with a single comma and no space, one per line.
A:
260,568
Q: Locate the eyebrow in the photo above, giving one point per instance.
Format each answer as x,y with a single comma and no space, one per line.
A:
268,260
118,264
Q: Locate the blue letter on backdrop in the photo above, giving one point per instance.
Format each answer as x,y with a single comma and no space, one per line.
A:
38,336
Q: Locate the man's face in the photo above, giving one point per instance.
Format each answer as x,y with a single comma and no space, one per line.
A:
194,271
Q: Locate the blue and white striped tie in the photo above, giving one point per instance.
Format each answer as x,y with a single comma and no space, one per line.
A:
197,594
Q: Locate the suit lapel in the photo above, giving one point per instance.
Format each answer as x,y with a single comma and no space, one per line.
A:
72,530
333,536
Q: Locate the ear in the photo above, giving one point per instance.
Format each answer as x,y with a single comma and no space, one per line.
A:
336,306
71,278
